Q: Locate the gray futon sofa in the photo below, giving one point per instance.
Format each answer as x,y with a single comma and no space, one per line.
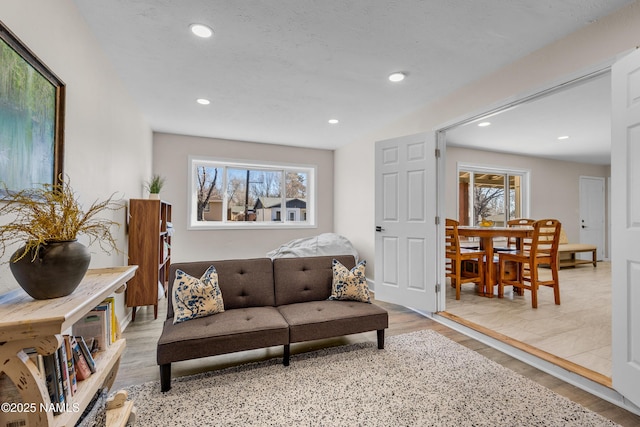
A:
267,303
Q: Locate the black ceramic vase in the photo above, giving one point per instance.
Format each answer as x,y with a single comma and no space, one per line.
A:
52,270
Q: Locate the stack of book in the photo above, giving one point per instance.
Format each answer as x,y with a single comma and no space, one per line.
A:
99,325
71,363
74,361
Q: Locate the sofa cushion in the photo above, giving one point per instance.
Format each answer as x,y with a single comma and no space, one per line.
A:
193,297
233,330
243,283
349,285
305,279
576,247
325,319
563,240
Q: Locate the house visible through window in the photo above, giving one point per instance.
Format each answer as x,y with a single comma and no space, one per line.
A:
243,194
493,194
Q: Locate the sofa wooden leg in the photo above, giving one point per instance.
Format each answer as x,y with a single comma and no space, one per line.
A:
380,339
165,377
287,353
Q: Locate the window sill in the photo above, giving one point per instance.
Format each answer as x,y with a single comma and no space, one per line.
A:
249,226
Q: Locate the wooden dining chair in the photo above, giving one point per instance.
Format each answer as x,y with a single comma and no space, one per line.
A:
455,255
542,248
511,241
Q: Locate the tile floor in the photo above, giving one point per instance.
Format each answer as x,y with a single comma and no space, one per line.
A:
579,329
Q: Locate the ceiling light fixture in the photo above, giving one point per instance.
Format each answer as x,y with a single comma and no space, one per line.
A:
334,121
397,77
484,124
203,101
563,137
201,30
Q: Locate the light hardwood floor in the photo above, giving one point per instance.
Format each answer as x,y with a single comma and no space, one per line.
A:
138,363
577,330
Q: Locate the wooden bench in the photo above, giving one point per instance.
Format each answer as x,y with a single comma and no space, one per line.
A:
567,252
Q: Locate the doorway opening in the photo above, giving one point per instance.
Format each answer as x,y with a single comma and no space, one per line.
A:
556,136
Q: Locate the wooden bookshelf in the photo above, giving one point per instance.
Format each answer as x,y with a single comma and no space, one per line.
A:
40,324
150,250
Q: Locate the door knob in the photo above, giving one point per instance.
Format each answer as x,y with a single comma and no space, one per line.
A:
378,228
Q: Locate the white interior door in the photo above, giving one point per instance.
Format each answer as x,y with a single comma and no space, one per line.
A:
405,212
592,214
625,251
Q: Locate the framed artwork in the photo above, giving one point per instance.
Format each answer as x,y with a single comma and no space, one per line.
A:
31,118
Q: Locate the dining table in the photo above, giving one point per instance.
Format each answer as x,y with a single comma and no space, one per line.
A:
486,235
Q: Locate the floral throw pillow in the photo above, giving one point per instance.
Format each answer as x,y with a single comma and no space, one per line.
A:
193,298
349,285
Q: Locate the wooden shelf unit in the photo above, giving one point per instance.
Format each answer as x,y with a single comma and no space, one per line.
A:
40,324
150,250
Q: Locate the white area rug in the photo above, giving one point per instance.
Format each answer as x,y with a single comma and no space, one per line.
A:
419,379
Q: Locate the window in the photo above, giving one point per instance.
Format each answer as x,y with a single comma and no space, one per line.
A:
494,194
230,194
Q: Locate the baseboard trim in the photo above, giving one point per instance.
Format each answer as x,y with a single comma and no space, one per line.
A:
372,285
127,319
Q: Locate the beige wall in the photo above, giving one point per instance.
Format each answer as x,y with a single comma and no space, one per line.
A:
570,57
554,184
170,159
107,140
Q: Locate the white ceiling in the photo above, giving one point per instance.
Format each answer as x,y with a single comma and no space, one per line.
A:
582,112
277,70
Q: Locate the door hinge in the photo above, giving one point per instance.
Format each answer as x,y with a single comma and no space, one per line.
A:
438,153
438,287
437,220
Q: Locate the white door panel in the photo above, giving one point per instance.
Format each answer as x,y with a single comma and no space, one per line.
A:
405,211
625,250
592,214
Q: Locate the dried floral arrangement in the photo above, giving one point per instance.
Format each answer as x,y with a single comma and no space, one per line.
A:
52,212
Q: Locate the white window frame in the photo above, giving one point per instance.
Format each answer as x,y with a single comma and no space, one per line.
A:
311,199
498,170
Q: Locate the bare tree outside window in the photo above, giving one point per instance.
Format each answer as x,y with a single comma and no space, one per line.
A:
266,184
296,185
208,187
487,202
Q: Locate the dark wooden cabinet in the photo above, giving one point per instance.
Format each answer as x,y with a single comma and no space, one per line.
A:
150,249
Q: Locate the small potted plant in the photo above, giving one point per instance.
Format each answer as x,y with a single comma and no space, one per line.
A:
154,186
47,220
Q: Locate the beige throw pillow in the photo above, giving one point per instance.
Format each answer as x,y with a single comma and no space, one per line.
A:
193,298
349,285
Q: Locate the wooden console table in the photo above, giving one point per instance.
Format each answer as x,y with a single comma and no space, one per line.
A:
40,324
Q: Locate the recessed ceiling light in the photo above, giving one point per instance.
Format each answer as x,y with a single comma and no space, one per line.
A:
203,101
563,137
397,77
201,30
484,124
334,121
